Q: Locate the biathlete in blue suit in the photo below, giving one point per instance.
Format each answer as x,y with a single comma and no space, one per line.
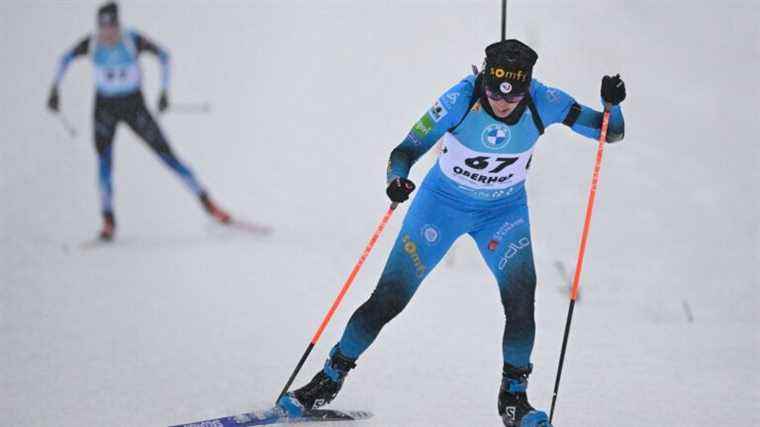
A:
488,125
119,98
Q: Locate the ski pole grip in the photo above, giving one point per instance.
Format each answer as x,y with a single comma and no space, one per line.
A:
394,205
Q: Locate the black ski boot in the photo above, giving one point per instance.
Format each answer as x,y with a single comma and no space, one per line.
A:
513,405
214,210
322,389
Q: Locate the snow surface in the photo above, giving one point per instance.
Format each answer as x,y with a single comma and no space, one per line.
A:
182,320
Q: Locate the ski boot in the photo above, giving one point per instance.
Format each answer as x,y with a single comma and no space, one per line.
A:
214,210
109,227
322,389
513,405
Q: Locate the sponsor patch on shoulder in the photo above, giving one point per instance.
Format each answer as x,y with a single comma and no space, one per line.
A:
438,112
452,97
423,127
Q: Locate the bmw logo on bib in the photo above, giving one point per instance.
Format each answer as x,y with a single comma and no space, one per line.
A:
496,136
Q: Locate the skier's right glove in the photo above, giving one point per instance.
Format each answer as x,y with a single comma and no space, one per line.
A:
399,190
53,100
613,89
163,102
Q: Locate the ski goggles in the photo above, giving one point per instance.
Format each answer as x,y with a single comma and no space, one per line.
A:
106,20
511,98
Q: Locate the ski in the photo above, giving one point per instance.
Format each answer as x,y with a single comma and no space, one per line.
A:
95,243
278,416
249,227
235,224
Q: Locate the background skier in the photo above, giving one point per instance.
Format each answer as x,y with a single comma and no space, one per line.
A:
114,52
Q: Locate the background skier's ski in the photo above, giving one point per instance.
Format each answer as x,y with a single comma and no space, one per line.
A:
276,416
250,227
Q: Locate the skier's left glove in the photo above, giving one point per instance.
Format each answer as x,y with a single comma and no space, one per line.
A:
399,189
613,89
53,100
163,102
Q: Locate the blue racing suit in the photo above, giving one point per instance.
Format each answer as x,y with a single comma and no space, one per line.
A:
477,187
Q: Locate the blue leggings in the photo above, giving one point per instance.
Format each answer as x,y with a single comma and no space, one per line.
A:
433,223
131,110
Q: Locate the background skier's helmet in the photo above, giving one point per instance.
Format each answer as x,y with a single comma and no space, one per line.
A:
108,15
508,68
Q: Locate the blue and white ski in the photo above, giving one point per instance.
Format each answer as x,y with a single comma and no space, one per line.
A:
278,416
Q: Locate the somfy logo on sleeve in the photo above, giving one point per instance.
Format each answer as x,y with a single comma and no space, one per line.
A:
496,136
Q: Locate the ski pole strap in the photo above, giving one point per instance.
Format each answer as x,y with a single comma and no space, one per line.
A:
572,115
537,121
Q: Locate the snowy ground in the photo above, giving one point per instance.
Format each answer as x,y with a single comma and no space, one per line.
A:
183,320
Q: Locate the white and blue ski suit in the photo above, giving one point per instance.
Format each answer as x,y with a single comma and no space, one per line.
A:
477,187
119,98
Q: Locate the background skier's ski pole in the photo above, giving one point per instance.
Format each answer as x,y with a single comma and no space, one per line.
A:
339,298
67,125
582,250
189,108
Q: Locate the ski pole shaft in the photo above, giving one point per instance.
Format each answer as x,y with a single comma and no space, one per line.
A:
339,298
503,20
190,108
581,252
67,125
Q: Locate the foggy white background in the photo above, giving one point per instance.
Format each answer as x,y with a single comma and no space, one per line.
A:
182,320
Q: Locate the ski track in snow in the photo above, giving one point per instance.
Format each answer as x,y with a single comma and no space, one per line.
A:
181,320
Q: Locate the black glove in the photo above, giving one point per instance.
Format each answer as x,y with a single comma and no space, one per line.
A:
613,89
399,190
52,102
163,102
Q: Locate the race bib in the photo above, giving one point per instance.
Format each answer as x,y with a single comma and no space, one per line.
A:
482,170
119,78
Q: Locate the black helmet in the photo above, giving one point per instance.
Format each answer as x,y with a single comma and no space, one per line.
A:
108,14
508,68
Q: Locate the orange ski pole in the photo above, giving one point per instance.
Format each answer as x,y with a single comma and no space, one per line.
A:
339,298
581,251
